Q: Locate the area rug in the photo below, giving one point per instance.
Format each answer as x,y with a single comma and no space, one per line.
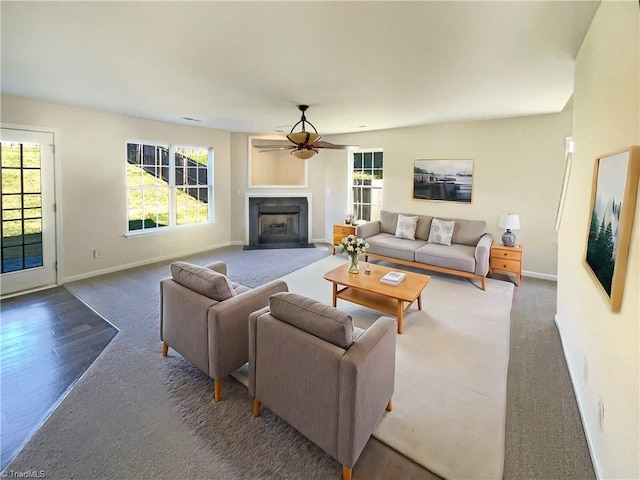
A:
452,359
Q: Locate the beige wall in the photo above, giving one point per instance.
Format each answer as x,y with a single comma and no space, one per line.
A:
92,153
518,166
606,118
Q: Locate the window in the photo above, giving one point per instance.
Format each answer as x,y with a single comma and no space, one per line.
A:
366,184
168,186
21,227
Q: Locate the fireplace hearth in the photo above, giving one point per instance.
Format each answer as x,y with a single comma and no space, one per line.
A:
278,222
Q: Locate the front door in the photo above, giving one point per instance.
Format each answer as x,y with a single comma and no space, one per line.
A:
28,250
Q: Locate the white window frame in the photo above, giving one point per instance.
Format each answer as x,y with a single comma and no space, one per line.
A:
350,184
173,188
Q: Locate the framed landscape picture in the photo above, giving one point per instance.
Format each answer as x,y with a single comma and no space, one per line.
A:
448,180
613,202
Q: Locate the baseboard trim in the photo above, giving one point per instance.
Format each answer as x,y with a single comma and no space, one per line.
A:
141,263
542,276
581,409
313,240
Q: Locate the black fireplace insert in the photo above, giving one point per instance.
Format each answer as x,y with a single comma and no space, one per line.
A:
278,222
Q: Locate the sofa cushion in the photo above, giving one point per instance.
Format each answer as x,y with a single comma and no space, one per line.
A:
388,245
388,221
456,257
441,231
318,319
406,227
468,232
423,227
203,280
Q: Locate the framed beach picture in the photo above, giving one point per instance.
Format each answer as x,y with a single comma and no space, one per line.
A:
613,202
448,180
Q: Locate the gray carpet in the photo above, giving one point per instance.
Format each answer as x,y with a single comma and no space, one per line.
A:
544,435
136,414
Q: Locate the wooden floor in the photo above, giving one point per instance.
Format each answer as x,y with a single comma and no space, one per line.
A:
48,340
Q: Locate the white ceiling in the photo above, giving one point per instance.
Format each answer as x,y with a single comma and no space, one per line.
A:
244,66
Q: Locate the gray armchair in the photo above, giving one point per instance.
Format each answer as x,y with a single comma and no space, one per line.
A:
328,379
204,317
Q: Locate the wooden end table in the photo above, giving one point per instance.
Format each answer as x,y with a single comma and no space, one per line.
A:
341,231
367,289
506,259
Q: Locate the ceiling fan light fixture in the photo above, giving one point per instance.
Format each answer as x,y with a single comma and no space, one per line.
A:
303,138
304,145
303,154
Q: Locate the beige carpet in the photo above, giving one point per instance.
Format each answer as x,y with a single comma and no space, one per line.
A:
451,372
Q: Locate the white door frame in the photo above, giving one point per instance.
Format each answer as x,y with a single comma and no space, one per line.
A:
57,167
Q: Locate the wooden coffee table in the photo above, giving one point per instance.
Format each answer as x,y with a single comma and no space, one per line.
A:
369,291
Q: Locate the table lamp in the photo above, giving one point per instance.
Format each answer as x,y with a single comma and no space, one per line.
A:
510,221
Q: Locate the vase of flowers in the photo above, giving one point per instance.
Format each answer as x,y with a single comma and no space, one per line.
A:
354,246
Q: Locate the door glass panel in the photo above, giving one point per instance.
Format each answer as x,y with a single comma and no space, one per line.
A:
21,225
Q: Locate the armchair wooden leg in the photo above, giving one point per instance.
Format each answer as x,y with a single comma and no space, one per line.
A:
256,407
484,283
389,406
165,349
346,473
217,388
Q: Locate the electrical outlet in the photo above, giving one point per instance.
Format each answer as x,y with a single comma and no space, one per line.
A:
97,253
601,415
585,370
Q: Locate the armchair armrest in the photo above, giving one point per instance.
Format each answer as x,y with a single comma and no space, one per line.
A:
367,376
368,229
482,254
184,321
253,322
220,267
229,320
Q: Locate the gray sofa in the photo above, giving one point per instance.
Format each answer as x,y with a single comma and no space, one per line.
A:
328,379
203,316
466,256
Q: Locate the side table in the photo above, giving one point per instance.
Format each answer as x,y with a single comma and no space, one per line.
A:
339,232
506,259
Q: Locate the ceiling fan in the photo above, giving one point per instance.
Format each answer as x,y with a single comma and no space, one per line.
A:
305,144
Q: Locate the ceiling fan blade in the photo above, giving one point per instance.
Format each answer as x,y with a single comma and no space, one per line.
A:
277,149
323,144
280,145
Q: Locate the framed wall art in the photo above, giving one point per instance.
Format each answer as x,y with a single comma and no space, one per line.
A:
613,202
448,180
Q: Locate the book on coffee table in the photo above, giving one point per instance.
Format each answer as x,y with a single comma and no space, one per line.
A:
393,278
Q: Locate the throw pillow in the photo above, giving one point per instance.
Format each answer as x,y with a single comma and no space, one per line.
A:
406,227
441,231
203,280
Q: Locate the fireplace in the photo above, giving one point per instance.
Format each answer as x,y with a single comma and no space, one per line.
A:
278,222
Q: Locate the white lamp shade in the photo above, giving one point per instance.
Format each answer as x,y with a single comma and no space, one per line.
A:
510,221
